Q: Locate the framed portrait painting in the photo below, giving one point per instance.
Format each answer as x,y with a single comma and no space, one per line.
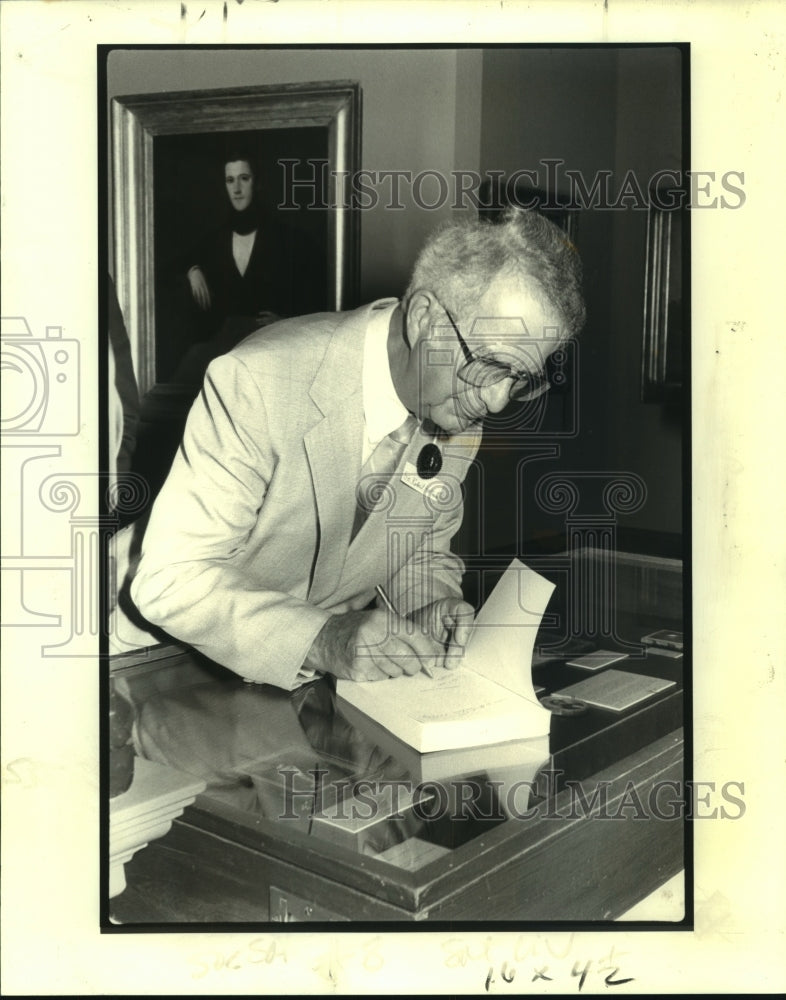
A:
227,214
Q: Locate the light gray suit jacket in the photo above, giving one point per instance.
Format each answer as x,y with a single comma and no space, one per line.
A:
249,551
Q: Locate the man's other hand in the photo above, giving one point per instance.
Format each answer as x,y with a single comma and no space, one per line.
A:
450,622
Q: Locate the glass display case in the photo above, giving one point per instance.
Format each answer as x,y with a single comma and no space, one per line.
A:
312,811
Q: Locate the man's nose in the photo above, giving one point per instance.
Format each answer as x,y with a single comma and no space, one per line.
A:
496,396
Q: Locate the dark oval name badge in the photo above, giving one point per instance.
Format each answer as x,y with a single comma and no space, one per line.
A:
429,461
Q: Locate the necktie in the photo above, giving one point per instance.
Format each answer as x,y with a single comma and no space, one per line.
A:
378,468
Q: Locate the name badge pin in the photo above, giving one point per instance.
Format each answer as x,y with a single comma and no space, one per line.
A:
429,461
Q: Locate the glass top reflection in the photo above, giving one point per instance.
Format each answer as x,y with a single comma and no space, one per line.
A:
316,767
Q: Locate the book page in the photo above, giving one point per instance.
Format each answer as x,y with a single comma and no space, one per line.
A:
503,641
450,695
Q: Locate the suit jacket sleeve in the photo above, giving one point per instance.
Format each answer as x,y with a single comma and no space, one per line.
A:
190,580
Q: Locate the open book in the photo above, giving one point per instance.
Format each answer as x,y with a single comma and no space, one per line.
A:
489,697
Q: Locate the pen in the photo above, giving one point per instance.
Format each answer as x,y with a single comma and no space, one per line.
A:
389,605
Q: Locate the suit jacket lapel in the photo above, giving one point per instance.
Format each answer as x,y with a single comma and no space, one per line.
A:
334,448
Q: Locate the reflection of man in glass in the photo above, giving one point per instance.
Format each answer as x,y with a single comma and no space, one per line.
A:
249,272
325,456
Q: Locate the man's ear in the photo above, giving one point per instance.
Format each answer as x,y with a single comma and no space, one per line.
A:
420,315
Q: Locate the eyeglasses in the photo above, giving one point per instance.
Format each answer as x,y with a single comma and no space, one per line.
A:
481,373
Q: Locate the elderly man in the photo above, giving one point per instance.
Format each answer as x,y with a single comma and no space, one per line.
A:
325,455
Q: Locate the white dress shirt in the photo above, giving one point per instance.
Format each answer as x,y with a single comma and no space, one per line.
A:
382,408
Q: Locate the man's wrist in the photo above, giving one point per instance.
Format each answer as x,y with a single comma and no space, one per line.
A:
330,651
323,648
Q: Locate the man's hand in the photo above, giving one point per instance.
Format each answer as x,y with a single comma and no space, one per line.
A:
449,621
199,289
372,646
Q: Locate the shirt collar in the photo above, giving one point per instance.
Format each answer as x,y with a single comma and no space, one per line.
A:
382,408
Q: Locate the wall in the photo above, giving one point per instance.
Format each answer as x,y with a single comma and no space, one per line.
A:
595,109
648,139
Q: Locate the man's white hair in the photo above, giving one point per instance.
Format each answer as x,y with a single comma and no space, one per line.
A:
461,260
